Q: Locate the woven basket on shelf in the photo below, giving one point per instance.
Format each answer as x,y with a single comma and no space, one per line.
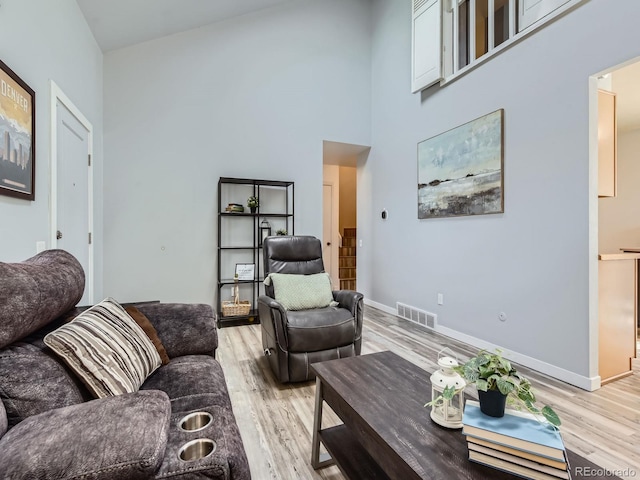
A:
231,308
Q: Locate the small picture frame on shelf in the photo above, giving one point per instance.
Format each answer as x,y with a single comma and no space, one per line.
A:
245,271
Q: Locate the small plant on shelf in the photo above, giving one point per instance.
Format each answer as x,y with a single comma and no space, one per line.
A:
253,203
281,231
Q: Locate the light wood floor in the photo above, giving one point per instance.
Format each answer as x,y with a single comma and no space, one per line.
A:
276,420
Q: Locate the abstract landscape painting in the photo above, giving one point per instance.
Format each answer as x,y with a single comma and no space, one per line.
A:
460,171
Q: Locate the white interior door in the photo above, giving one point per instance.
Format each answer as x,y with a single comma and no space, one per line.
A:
327,230
72,212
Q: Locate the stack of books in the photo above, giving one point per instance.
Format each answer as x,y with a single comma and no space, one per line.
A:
516,443
234,207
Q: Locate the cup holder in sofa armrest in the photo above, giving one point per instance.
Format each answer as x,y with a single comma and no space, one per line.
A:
197,449
195,422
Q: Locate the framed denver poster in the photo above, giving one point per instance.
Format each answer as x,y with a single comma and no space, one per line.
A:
17,136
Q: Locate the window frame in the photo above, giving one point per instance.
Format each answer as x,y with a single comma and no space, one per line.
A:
450,50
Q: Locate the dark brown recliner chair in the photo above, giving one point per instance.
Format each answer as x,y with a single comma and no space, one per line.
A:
293,340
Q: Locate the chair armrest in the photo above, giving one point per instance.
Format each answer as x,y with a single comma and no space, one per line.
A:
349,299
184,329
271,303
273,318
352,301
112,438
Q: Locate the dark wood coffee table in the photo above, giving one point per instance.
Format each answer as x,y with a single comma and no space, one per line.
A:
387,433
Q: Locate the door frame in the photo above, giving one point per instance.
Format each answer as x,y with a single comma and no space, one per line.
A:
57,95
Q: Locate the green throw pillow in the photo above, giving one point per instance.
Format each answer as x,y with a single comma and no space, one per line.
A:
301,292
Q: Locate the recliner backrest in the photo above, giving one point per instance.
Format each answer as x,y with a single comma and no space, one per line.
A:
300,254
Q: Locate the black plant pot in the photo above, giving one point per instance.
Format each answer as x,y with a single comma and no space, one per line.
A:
253,209
492,402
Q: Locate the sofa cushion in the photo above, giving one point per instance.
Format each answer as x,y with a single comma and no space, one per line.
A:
144,323
36,291
301,292
107,349
185,329
33,381
116,438
188,377
320,329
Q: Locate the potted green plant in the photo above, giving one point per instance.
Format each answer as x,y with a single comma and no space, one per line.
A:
281,231
253,203
498,383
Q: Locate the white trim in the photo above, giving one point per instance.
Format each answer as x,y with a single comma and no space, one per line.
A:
472,35
57,95
593,229
456,34
379,306
512,18
491,17
586,383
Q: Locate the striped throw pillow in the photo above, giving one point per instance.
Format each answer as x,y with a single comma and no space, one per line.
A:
107,349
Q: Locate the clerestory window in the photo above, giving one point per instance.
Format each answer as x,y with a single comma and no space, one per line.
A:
449,37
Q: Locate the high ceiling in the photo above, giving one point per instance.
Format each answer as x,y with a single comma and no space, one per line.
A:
120,23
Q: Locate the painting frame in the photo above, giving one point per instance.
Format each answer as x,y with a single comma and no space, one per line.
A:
461,170
17,136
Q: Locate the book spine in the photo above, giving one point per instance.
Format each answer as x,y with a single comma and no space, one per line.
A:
515,459
517,443
509,467
472,441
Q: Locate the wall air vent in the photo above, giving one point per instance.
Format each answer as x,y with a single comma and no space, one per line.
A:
415,315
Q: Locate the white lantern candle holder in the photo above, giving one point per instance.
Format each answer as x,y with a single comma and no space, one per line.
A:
447,412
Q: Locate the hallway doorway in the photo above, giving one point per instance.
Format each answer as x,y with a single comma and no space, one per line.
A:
340,193
615,141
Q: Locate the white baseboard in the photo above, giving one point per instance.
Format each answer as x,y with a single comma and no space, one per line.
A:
586,383
380,306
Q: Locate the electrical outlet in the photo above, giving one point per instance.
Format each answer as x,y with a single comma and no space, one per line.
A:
360,243
440,299
40,246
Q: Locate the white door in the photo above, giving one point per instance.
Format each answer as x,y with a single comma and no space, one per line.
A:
327,229
72,192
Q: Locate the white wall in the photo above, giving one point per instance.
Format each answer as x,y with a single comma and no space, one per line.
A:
251,97
532,261
42,40
620,215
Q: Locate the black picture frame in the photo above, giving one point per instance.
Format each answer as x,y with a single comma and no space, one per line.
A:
245,271
17,136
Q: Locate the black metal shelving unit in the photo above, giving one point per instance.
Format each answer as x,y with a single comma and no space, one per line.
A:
239,237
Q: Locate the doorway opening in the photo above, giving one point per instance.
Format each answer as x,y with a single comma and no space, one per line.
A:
339,212
614,219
